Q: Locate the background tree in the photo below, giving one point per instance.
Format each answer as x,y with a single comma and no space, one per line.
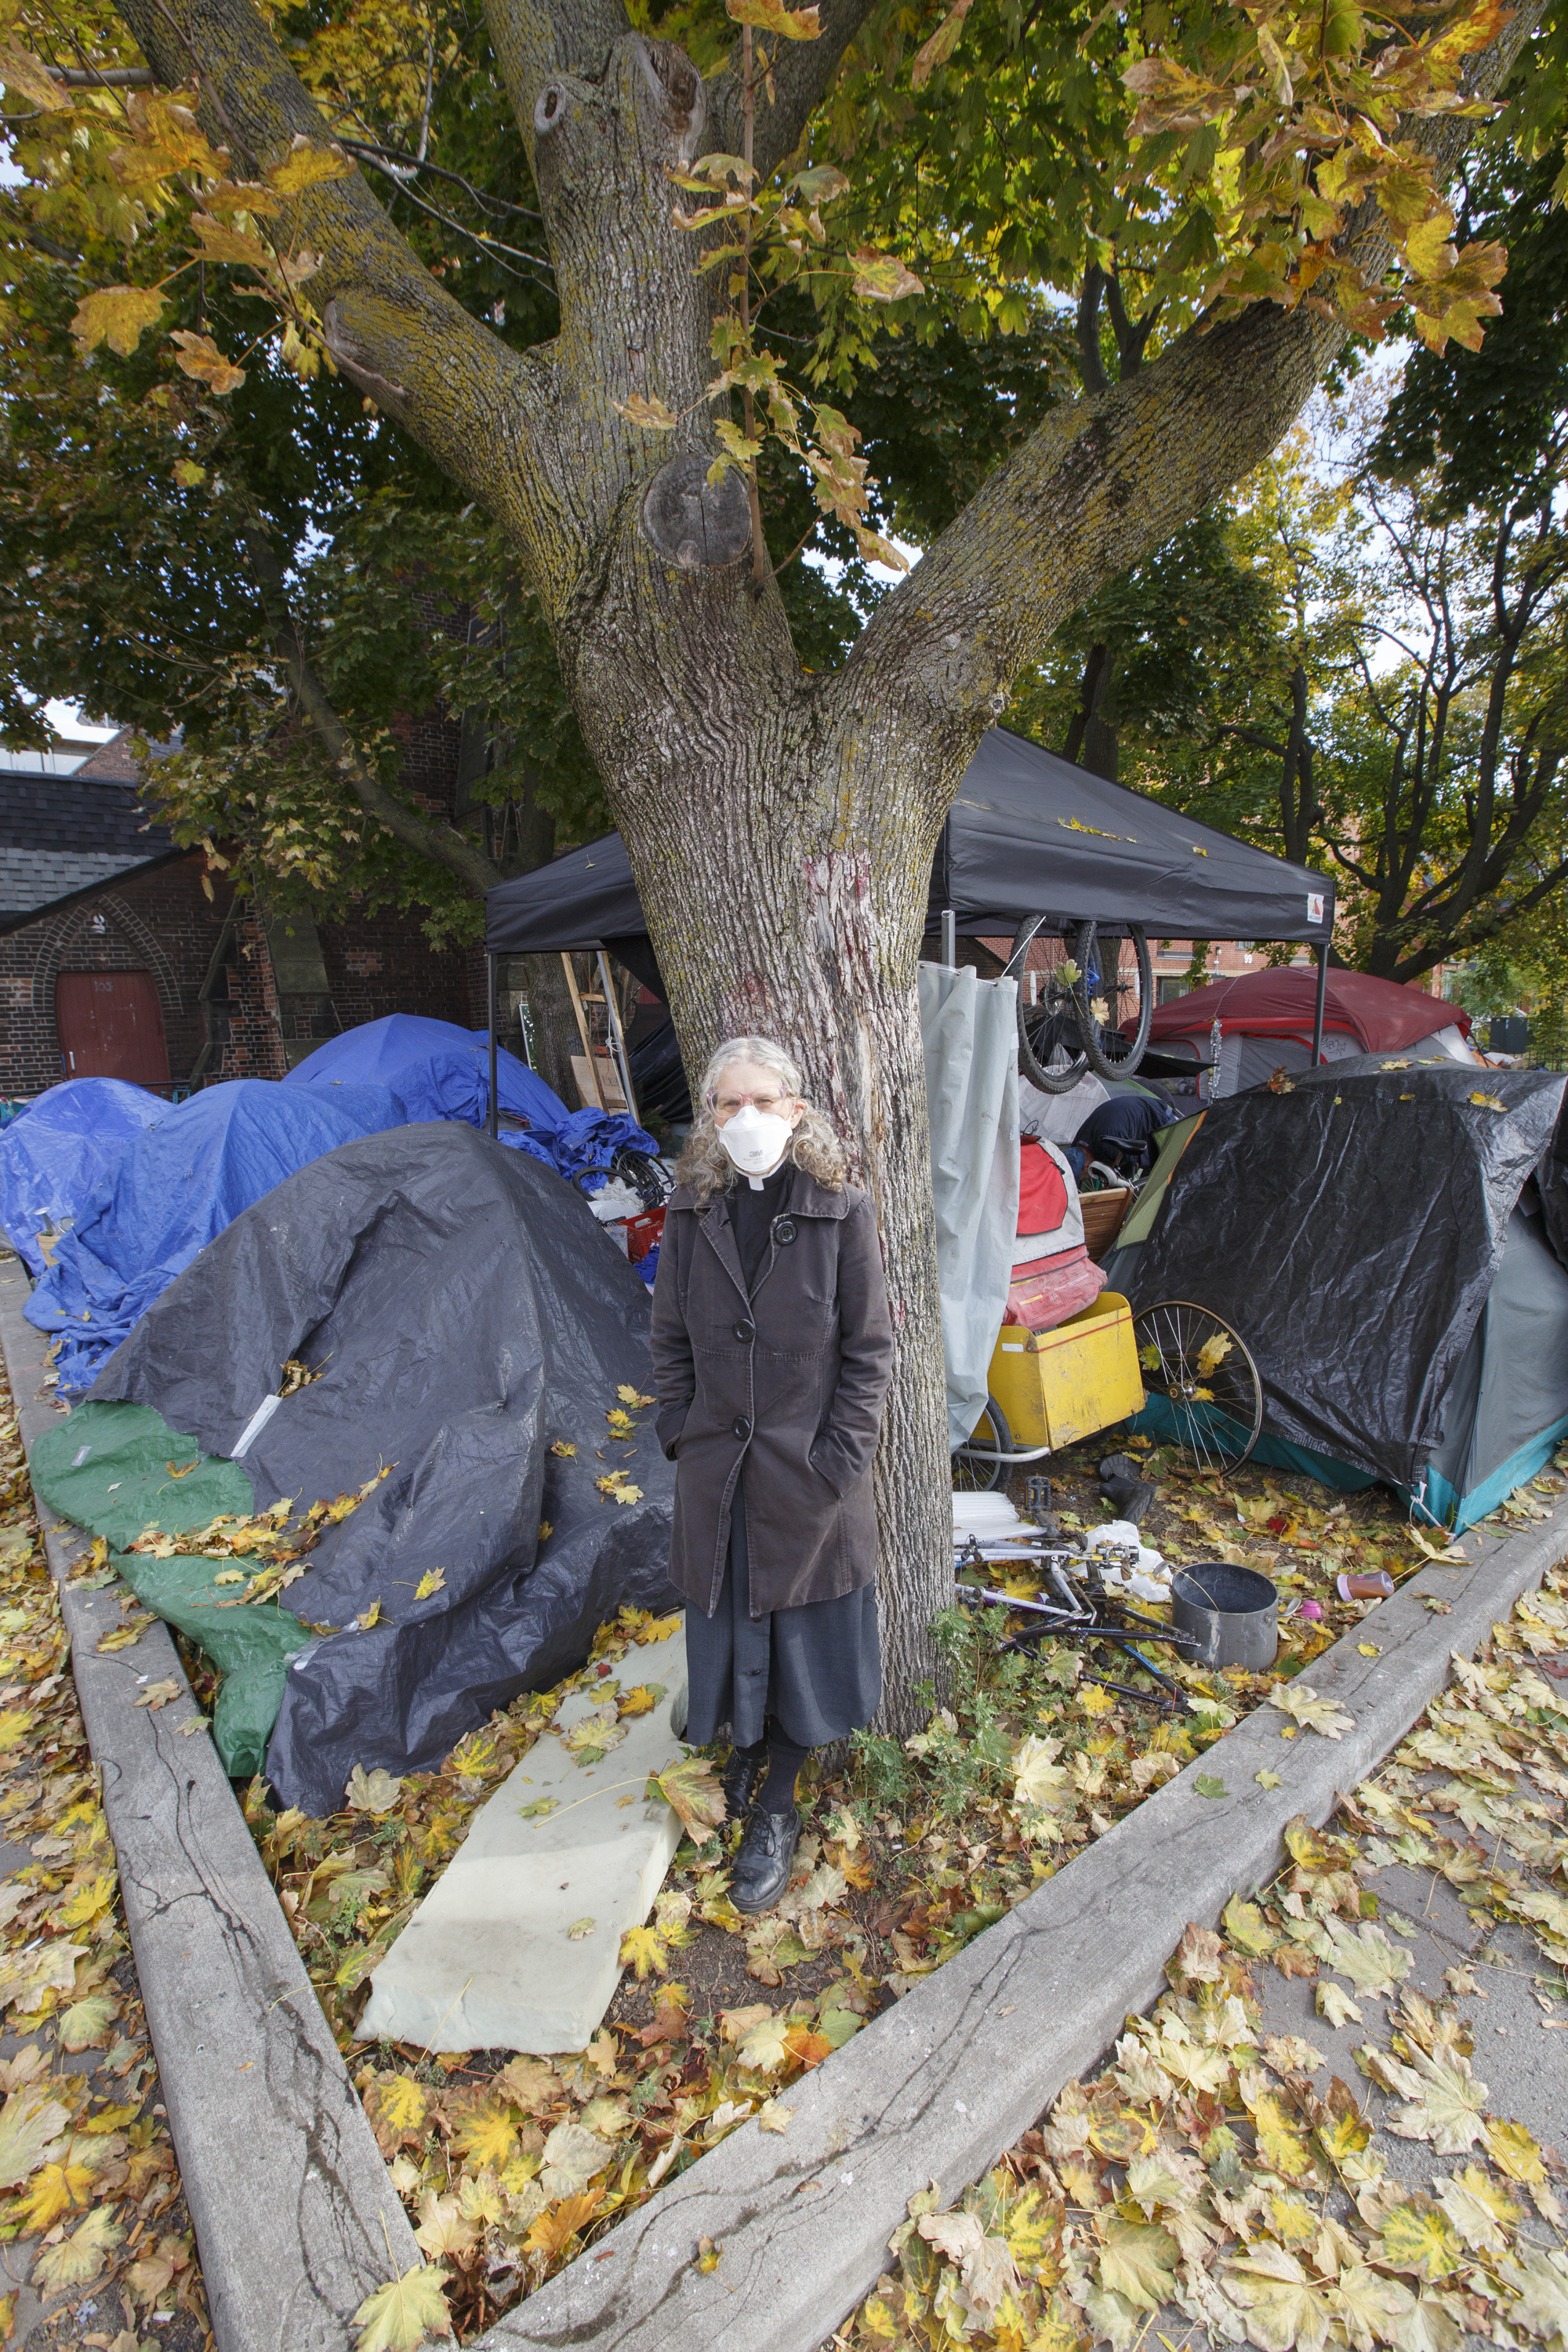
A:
1271,186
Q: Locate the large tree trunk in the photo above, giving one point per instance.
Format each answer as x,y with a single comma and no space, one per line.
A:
783,909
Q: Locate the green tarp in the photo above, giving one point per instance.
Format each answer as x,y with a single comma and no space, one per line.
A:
110,1468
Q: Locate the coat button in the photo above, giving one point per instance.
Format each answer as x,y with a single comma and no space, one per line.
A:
745,1333
785,1230
743,1426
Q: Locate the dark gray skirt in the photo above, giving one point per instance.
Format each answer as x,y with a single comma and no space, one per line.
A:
816,1670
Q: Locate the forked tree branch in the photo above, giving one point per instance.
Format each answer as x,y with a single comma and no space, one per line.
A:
388,323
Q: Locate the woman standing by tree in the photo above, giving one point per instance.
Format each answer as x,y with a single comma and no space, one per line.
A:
773,1350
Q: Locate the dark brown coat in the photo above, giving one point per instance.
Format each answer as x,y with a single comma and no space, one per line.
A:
788,1384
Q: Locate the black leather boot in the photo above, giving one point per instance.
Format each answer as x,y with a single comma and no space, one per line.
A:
741,1780
766,1857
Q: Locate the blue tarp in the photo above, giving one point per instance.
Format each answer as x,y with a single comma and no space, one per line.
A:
175,1186
585,1144
54,1151
438,1070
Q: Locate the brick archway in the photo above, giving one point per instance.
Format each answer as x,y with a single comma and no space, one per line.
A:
69,939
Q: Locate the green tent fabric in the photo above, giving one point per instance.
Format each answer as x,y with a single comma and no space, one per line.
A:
107,1468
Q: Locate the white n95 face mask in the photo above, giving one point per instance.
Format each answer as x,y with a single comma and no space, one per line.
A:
756,1141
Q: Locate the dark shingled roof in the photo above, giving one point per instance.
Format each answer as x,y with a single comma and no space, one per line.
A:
61,833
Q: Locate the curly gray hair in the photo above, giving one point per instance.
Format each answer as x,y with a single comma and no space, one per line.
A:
707,1168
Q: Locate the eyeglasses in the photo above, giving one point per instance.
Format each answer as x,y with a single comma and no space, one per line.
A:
726,1105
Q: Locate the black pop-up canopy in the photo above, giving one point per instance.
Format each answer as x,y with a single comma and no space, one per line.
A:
1029,834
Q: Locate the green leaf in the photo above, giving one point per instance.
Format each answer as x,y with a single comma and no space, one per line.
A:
1208,1785
1139,2261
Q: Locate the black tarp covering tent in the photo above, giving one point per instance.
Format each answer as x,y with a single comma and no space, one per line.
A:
1028,833
1389,1237
463,1313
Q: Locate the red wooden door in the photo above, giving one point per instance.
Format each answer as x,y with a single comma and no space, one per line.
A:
110,1025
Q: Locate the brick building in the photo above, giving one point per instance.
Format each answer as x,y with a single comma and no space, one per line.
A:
115,962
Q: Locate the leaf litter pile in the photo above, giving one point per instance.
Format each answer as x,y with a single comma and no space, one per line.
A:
510,2167
97,2241
1209,2185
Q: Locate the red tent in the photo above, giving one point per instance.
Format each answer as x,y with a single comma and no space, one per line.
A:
1382,1015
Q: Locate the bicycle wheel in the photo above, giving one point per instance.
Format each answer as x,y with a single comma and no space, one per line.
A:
1052,1020
971,1473
1122,979
1204,1373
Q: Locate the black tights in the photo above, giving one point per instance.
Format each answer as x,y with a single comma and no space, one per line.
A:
785,1761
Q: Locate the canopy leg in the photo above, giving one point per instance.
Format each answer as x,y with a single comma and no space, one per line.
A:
493,1123
617,1036
950,938
1317,1010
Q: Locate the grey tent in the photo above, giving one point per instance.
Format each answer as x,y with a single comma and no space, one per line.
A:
1390,1238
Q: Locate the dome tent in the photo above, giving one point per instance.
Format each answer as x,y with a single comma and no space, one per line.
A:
1390,1238
56,1151
1265,1021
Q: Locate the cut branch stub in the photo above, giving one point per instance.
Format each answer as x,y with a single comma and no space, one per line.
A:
677,88
693,523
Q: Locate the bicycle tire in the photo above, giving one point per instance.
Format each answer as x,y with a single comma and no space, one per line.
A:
1212,1407
1040,1073
1122,1065
981,1477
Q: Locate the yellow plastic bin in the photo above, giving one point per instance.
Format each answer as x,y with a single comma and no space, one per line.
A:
1055,1387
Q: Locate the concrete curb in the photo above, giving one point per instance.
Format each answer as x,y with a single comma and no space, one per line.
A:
295,2217
938,2087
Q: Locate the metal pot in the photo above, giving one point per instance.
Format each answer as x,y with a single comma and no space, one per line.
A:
1232,1612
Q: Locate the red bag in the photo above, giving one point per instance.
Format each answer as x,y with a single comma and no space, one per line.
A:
1045,1294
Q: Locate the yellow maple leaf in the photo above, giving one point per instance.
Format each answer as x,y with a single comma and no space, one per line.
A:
124,1637
639,1700
53,2192
433,1580
620,1422
563,1447
399,2315
633,1397
1514,2151
86,1901
306,166
643,1948
401,2104
118,316
489,2135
